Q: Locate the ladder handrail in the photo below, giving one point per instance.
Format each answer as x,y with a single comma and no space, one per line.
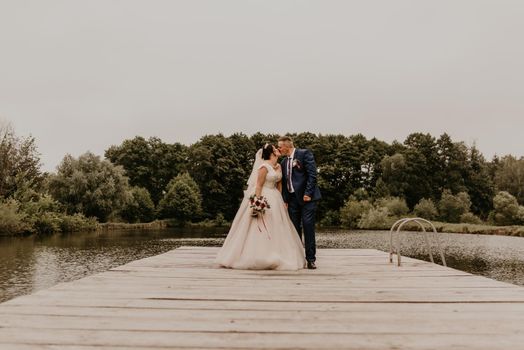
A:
420,221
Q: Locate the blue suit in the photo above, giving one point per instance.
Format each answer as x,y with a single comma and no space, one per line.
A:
304,182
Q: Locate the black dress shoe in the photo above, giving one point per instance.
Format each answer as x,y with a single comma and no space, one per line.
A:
311,265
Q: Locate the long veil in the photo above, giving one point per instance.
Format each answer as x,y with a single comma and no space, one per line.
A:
252,181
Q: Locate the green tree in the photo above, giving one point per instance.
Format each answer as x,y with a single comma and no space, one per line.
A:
332,173
426,209
506,210
352,211
509,177
139,207
423,173
259,139
479,183
394,174
182,200
304,140
19,163
43,214
352,158
90,186
451,207
244,150
396,206
371,162
376,218
326,148
149,163
453,162
345,165
217,170
12,220
381,190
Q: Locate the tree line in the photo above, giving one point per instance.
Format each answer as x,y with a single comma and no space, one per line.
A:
361,179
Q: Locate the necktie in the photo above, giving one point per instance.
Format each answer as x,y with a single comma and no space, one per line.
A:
289,167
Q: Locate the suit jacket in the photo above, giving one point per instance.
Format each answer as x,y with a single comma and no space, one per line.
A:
303,176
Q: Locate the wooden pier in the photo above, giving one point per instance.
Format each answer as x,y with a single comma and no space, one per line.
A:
354,300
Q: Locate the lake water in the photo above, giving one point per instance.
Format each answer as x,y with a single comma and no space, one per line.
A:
28,264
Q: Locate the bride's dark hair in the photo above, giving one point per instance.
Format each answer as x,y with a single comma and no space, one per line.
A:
267,151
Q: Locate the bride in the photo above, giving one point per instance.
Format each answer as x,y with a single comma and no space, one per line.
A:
267,240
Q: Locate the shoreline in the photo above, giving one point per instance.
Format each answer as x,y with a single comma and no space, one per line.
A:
443,227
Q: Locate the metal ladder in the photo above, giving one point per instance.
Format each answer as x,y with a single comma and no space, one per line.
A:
399,224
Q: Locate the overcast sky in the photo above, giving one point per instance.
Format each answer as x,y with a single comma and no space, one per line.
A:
83,75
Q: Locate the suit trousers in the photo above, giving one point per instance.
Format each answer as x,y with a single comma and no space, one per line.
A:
302,215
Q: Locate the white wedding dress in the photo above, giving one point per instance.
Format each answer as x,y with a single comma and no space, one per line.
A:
269,242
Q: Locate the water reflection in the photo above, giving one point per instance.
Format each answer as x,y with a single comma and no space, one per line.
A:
28,264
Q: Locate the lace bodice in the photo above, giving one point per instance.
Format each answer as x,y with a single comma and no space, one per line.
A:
273,176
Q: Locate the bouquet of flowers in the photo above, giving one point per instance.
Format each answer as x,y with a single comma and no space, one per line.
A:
258,208
258,205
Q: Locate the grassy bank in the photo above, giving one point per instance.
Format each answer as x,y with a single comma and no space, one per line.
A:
517,231
471,228
160,224
113,226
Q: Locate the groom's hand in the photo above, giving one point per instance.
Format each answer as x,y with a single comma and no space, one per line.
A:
307,199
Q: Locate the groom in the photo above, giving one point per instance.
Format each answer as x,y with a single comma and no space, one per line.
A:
300,192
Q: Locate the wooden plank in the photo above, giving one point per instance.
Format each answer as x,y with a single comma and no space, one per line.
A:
260,340
276,306
422,282
304,294
245,322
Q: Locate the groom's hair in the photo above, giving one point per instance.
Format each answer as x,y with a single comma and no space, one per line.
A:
286,139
